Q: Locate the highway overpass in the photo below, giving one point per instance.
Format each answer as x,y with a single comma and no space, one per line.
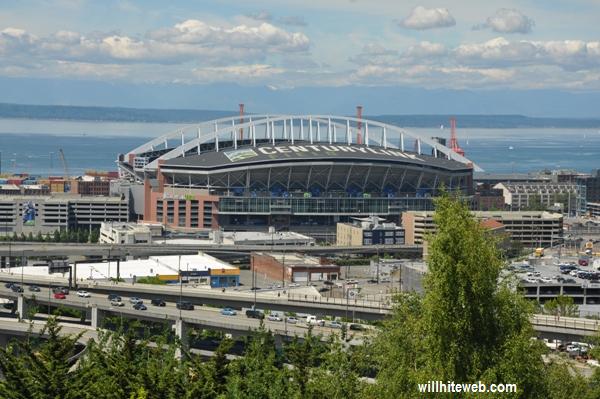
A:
17,249
289,302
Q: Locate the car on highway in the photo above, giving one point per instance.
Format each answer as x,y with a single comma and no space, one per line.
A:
255,314
83,294
139,306
59,295
228,312
114,296
34,288
292,320
158,302
274,317
335,324
116,302
16,288
184,305
134,299
8,285
293,285
63,290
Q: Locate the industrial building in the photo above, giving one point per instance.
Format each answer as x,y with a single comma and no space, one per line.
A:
530,228
524,196
302,173
372,230
273,238
200,269
46,214
292,267
593,209
125,233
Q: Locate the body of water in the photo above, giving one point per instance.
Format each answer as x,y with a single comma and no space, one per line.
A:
32,146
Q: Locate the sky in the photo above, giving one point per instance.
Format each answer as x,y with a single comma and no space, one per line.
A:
350,47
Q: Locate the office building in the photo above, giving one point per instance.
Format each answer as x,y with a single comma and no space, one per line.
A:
372,230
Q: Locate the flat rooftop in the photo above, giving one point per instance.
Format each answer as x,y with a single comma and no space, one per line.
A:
304,151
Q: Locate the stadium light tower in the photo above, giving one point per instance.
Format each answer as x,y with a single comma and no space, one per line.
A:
359,110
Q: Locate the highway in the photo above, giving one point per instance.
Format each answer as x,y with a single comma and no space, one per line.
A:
71,249
364,310
201,316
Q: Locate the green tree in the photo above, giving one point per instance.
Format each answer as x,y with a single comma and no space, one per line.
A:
94,236
561,306
41,371
468,326
39,237
56,236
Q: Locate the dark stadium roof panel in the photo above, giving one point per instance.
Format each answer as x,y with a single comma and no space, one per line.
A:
265,154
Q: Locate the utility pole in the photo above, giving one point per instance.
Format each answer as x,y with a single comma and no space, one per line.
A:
180,286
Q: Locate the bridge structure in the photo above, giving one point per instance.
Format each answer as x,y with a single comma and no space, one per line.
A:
25,249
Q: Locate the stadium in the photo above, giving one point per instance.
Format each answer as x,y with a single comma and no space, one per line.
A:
302,173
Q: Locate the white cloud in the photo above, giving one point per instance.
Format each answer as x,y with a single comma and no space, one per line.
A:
243,73
568,54
507,20
188,41
427,18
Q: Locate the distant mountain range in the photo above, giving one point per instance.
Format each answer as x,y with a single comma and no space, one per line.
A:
118,114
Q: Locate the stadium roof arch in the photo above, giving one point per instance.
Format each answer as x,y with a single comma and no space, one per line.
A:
235,132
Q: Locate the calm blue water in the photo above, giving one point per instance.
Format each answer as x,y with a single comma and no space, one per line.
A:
32,146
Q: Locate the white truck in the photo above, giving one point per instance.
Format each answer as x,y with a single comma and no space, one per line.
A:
313,320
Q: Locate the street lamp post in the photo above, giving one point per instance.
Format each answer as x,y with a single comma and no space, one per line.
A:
180,286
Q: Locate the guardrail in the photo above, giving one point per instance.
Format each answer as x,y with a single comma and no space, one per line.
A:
351,302
572,323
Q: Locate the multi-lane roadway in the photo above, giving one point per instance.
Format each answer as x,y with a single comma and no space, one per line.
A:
201,316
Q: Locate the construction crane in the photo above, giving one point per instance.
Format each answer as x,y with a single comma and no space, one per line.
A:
63,160
453,140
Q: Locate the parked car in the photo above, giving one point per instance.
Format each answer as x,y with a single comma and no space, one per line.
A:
274,317
255,314
328,282
228,312
324,289
135,299
83,294
158,302
140,306
114,297
356,327
545,280
116,302
8,285
59,295
16,288
292,320
184,305
293,285
569,281
335,324
34,288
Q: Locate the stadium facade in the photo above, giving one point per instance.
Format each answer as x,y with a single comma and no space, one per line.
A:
303,172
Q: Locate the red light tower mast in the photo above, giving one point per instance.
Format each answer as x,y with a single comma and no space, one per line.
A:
453,140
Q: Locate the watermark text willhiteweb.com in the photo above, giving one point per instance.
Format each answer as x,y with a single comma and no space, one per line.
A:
451,387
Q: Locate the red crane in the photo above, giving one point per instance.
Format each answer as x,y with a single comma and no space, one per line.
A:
453,141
